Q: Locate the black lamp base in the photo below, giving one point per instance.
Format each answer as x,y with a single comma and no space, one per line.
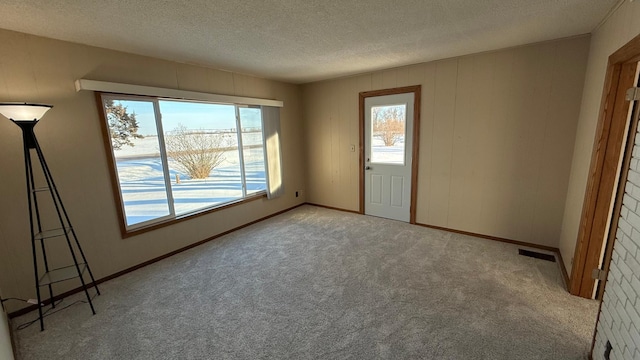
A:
39,234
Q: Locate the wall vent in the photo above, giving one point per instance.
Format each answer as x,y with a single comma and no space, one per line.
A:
537,255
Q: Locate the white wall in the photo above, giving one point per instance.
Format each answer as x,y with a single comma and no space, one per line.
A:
44,70
621,27
496,139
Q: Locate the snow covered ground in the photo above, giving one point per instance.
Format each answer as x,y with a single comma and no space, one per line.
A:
145,197
148,145
143,187
387,154
142,181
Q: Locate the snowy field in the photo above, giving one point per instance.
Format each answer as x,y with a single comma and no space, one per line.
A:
148,146
387,154
143,188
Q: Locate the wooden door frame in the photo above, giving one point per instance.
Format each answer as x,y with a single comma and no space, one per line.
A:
417,91
603,171
611,239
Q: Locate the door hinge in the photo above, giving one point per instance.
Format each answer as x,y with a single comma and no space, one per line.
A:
633,94
598,274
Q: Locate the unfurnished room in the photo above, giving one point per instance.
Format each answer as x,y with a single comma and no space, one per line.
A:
446,179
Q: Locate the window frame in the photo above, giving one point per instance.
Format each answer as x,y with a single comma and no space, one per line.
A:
149,225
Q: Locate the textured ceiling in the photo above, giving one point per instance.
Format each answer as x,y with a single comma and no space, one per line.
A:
301,41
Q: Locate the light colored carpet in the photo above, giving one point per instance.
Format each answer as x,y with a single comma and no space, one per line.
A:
315,283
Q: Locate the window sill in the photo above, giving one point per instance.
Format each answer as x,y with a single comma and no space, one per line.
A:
126,233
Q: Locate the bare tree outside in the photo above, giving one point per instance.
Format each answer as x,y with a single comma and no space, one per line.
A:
388,123
196,152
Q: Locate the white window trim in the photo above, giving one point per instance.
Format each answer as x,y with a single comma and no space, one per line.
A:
119,88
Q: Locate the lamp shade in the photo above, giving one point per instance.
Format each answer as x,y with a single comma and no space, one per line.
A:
23,111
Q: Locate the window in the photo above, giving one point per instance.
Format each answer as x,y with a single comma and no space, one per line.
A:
174,158
388,134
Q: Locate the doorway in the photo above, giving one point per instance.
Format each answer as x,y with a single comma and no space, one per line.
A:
389,128
602,190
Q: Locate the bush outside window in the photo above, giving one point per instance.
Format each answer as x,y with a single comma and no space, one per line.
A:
174,158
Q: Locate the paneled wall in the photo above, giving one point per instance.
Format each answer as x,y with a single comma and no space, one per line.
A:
44,70
496,140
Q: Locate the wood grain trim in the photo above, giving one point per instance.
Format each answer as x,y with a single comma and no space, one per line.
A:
158,225
593,181
611,238
563,270
106,139
30,308
417,97
334,208
630,52
417,93
556,251
361,98
624,176
393,91
607,155
494,238
610,175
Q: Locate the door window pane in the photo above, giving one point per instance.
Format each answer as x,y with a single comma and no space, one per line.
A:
253,149
388,134
136,151
202,150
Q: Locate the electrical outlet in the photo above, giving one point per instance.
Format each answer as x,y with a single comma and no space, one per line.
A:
296,194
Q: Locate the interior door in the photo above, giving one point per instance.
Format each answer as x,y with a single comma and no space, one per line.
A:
388,144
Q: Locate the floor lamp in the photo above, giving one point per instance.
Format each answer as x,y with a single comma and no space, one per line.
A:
26,116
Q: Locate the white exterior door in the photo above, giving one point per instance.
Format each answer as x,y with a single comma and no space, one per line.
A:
388,144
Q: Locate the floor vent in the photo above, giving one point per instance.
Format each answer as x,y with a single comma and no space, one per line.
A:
537,255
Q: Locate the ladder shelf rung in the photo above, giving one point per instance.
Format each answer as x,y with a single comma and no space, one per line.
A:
40,189
62,274
52,233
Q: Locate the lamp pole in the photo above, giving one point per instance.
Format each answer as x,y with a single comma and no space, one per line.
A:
26,116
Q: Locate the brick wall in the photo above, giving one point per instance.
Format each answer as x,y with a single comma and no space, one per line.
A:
620,314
